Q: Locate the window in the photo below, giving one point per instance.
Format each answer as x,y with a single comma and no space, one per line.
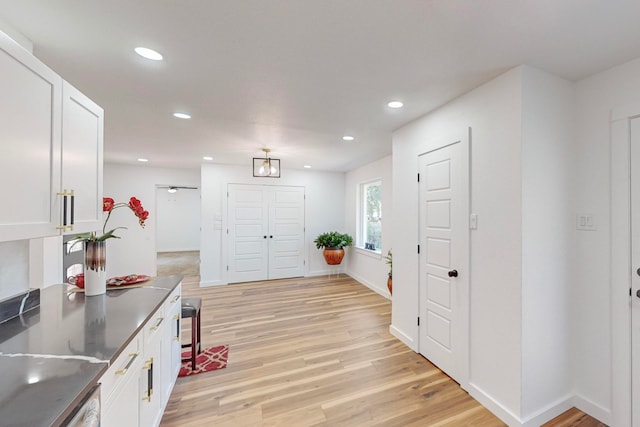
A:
370,233
72,257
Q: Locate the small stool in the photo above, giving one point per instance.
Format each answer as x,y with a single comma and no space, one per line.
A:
191,308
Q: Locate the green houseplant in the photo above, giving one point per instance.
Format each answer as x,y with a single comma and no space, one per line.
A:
333,244
389,260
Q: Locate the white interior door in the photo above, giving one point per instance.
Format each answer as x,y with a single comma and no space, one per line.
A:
635,273
444,257
286,232
266,232
248,218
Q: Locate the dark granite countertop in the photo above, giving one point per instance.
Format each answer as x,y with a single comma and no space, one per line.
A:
52,355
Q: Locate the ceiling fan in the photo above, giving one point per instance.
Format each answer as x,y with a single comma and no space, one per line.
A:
174,188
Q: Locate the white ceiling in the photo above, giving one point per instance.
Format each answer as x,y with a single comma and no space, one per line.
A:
297,75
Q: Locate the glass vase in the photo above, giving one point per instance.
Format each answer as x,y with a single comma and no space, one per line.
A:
95,274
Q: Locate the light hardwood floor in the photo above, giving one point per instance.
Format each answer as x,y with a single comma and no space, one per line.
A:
317,352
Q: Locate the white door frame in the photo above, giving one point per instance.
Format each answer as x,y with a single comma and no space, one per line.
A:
620,302
462,137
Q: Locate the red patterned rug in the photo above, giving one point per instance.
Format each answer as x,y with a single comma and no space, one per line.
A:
211,359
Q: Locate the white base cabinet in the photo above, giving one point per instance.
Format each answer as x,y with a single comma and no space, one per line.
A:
136,388
172,352
120,387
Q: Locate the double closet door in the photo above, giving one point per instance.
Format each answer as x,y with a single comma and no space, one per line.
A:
266,232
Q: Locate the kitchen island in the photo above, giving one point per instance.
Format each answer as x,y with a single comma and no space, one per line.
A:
52,355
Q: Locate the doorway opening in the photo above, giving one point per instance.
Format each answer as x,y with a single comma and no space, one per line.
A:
178,230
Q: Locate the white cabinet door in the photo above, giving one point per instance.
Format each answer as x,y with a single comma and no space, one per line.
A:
171,346
123,409
120,388
30,117
151,375
82,141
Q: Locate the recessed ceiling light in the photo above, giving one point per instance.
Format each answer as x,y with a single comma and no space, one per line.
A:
207,158
307,166
182,115
143,160
395,104
148,53
348,138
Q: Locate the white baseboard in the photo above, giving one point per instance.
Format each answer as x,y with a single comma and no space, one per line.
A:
178,250
325,272
534,420
593,409
549,412
406,339
493,405
212,283
381,291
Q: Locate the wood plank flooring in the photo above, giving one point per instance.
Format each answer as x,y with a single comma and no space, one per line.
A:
317,352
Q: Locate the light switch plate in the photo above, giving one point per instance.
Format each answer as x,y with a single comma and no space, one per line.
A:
585,222
473,221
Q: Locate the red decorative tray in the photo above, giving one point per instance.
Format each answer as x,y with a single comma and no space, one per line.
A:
127,280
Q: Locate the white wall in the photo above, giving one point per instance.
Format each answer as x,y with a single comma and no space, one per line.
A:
178,220
521,190
548,224
493,111
14,268
324,211
365,266
596,97
135,251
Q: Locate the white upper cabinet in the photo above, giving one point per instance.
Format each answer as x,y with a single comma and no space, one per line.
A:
51,145
30,120
82,133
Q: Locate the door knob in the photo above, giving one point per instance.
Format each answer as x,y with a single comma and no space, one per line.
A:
271,237
453,273
264,237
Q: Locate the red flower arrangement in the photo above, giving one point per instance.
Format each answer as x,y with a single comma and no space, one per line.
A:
109,205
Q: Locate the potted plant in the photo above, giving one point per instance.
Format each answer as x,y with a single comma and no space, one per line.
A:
333,244
389,258
95,251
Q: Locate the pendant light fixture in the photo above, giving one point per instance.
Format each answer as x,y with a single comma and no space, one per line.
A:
266,167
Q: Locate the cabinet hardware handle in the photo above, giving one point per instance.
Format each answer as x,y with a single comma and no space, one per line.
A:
73,208
175,299
124,370
155,327
64,209
150,381
64,227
